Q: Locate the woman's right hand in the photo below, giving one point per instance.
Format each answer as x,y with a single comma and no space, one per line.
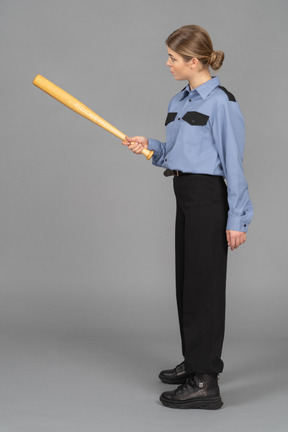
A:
136,143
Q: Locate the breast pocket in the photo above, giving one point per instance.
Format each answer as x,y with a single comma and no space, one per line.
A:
170,117
171,127
193,127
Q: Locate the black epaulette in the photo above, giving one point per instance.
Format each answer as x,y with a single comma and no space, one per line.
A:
231,97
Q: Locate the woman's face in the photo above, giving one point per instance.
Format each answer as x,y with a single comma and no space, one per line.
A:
180,69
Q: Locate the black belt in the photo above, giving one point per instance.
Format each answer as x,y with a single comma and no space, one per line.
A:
176,173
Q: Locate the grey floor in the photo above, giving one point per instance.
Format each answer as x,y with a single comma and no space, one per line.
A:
53,381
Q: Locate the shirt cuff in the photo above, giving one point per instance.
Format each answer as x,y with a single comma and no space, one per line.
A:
154,145
236,223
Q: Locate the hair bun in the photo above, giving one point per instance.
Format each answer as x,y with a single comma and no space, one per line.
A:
216,59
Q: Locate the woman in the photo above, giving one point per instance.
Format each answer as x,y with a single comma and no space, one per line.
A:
204,146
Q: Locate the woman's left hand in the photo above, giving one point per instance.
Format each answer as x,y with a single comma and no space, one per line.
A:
235,238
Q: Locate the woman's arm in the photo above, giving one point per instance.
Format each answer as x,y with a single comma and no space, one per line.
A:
229,136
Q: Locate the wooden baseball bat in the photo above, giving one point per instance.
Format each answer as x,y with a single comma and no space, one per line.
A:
77,106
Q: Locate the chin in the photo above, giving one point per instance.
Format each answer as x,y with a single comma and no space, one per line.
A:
178,77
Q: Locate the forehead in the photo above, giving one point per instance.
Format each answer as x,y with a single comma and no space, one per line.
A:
172,53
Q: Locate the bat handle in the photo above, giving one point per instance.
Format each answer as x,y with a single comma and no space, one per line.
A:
147,153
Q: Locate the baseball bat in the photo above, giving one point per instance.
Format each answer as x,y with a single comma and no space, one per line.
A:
77,106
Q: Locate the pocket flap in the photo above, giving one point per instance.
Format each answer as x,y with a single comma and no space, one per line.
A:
170,117
195,118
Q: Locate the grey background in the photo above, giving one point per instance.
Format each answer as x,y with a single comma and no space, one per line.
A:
87,311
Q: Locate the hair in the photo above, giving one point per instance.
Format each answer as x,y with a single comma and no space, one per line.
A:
193,41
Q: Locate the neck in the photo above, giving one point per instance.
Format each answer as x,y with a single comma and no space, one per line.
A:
199,79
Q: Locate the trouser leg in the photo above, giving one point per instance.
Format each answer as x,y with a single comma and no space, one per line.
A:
179,267
201,258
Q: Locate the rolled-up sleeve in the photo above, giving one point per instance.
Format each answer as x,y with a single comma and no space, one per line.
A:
229,138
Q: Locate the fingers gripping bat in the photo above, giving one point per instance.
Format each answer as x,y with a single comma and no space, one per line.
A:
77,106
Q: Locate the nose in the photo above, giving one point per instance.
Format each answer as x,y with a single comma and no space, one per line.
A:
168,63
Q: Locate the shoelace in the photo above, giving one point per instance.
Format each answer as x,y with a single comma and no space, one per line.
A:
191,382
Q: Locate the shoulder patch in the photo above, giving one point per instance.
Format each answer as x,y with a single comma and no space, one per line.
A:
231,97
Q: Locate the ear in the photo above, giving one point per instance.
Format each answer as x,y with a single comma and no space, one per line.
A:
193,62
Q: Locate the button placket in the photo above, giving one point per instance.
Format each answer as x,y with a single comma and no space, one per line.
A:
186,107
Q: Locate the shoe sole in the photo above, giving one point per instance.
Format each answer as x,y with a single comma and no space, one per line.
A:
199,403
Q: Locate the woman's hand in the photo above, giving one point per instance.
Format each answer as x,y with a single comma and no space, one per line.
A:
235,238
136,143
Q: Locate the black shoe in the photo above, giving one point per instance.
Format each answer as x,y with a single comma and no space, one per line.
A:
178,375
201,391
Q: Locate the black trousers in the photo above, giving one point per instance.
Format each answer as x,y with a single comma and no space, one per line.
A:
201,261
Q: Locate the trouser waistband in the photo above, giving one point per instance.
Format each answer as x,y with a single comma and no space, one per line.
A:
177,173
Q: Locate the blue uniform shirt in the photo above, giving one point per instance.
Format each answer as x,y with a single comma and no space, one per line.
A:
205,134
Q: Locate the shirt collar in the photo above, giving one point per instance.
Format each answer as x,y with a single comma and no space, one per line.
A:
204,89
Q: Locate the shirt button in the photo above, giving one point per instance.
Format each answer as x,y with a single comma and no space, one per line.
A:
244,225
179,118
165,160
190,100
